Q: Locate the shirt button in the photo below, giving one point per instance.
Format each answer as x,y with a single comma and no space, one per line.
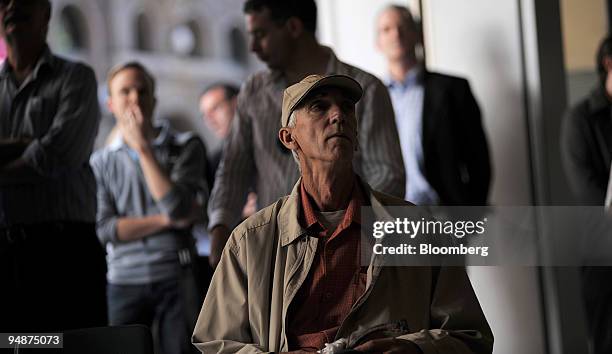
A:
328,296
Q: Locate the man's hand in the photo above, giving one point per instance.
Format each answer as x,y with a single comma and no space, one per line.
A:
389,346
250,207
132,128
12,148
218,237
136,228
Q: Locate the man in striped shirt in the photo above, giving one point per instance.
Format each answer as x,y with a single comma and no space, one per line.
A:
283,36
51,265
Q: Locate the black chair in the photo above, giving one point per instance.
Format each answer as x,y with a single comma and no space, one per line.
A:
133,339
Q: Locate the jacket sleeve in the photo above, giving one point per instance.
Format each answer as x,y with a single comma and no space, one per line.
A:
382,165
475,154
223,324
457,323
188,178
586,183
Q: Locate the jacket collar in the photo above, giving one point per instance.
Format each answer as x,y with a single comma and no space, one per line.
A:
288,216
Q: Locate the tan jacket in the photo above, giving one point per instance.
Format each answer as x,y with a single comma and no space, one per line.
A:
268,257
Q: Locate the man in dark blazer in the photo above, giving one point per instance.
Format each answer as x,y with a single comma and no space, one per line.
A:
586,146
438,120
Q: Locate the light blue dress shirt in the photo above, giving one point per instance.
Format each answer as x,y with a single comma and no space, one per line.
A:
407,98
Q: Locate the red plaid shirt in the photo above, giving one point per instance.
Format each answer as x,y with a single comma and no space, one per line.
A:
335,280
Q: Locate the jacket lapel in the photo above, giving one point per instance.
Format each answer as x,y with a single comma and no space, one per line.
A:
431,106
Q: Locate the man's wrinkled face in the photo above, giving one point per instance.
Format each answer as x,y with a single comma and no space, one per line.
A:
217,111
396,37
24,19
270,41
128,88
326,126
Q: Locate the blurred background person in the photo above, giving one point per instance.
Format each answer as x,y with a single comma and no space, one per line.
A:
151,189
438,120
218,106
586,138
51,264
586,146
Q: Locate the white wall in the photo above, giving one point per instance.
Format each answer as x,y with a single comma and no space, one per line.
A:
348,26
483,43
487,50
479,40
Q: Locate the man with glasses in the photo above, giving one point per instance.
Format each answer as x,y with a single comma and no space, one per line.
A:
52,267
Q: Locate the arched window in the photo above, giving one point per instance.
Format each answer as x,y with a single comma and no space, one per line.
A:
238,46
186,39
143,33
72,32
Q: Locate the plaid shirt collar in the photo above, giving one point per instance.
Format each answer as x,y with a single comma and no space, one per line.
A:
353,211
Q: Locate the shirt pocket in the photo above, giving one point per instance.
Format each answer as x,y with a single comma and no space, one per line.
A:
35,122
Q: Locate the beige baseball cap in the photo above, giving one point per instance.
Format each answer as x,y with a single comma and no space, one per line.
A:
294,94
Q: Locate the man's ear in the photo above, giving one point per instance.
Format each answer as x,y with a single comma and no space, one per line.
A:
295,27
286,137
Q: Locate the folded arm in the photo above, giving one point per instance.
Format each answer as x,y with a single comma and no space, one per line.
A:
67,144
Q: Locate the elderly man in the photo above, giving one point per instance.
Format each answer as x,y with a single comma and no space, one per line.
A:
290,278
51,264
282,34
150,187
438,120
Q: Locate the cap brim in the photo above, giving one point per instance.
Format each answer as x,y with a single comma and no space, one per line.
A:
343,82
